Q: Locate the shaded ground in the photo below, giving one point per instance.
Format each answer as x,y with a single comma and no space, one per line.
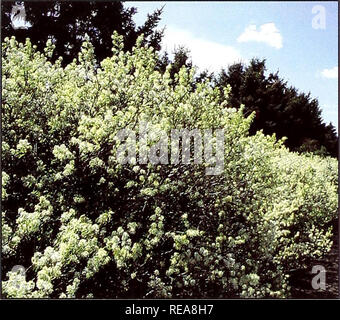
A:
301,280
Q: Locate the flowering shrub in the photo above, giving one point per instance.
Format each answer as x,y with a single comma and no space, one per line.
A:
85,225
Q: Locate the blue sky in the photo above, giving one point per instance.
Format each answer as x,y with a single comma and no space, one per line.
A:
289,35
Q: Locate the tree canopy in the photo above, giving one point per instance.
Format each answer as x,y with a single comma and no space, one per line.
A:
69,23
279,108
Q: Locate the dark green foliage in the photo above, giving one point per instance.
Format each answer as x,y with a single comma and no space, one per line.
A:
279,108
67,24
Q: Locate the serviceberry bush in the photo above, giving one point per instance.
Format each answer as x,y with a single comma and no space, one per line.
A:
85,225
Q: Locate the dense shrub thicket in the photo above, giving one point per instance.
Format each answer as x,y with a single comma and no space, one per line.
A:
84,225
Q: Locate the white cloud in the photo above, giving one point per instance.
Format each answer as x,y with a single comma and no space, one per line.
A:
330,73
267,33
205,54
